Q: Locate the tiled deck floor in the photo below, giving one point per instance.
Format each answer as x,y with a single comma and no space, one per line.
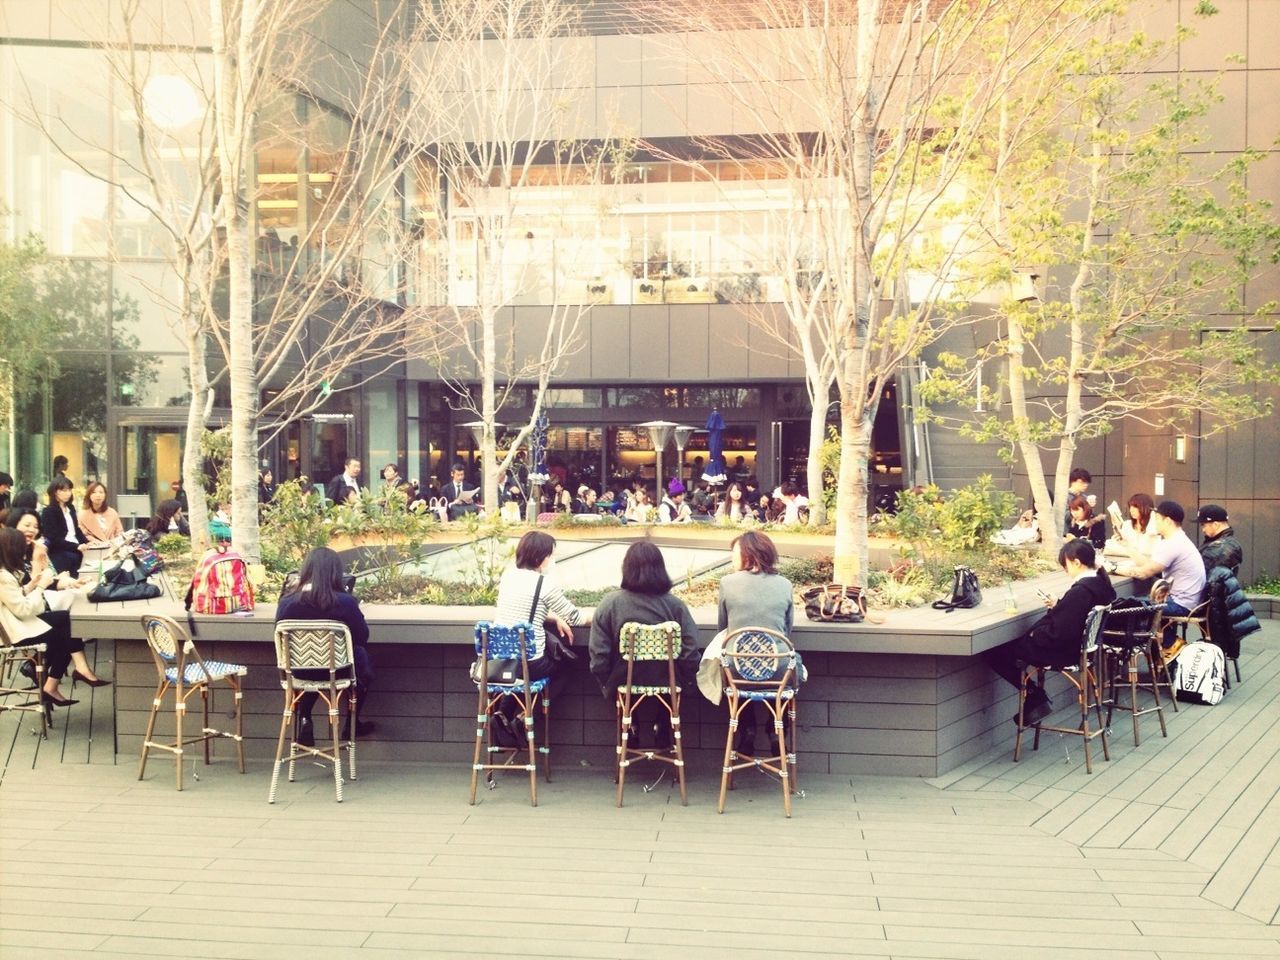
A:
1168,851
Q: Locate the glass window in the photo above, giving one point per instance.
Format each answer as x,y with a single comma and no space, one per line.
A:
77,293
150,380
574,397
278,149
79,425
145,304
383,428
176,127
50,177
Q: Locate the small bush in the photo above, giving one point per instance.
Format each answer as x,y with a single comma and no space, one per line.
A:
1266,583
173,545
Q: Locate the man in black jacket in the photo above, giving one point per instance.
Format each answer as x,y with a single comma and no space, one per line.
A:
1220,548
460,499
346,484
1055,639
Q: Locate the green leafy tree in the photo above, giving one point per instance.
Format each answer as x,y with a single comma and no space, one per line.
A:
1149,247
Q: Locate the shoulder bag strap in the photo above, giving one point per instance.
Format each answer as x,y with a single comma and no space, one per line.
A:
537,592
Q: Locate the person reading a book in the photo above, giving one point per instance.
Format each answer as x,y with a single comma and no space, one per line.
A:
461,500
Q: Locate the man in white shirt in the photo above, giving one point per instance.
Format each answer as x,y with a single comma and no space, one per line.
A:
793,503
1176,559
346,484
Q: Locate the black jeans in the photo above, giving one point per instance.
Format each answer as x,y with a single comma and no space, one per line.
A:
59,644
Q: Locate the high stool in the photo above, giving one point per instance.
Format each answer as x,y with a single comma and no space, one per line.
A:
1127,637
643,644
759,666
181,669
316,656
508,649
1083,676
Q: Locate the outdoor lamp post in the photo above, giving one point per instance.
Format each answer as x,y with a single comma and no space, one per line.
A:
682,439
660,434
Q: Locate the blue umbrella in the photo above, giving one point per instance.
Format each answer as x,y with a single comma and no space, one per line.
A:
539,443
715,440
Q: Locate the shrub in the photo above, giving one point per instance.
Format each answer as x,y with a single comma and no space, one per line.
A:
173,545
1266,583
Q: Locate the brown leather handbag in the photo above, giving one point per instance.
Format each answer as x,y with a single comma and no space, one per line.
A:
835,603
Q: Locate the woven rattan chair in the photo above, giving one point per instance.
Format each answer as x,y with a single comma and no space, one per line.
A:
181,669
759,666
512,643
1083,676
640,644
316,656
1129,636
15,694
1198,617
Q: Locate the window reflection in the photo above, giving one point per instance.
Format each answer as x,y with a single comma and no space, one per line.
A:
53,189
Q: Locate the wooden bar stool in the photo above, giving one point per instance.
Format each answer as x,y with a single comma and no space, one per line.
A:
508,646
759,666
1083,676
182,670
316,656
644,644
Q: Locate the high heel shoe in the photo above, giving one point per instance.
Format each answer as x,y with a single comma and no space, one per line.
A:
96,682
57,700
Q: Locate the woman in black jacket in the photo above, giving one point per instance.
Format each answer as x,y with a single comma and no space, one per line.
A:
319,596
1056,638
61,529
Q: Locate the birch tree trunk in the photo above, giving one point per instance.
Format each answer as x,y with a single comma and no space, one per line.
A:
813,468
232,60
192,457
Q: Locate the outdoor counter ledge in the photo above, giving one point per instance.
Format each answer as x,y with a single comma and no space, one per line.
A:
907,696
918,630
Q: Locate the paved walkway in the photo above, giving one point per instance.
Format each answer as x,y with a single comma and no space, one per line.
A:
1169,851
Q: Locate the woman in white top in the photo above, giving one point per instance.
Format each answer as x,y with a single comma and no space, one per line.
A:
734,507
527,594
1138,534
98,522
639,507
26,619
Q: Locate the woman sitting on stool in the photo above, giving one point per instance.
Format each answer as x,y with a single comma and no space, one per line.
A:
319,596
26,619
1056,637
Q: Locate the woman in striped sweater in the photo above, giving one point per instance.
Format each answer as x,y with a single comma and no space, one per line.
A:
527,593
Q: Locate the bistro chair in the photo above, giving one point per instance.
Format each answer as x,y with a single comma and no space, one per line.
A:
1128,636
1167,622
316,657
1083,676
182,670
644,644
512,646
13,680
759,666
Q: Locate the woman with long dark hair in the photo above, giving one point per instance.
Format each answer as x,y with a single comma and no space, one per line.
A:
26,618
319,595
61,529
734,507
168,519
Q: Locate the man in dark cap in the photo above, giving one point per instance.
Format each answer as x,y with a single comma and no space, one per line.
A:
1220,547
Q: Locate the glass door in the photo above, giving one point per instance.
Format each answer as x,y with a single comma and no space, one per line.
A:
152,464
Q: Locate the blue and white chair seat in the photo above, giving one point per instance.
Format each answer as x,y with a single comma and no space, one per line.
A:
654,691
742,694
535,686
194,673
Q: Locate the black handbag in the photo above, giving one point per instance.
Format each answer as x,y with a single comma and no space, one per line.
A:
965,592
510,670
835,603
